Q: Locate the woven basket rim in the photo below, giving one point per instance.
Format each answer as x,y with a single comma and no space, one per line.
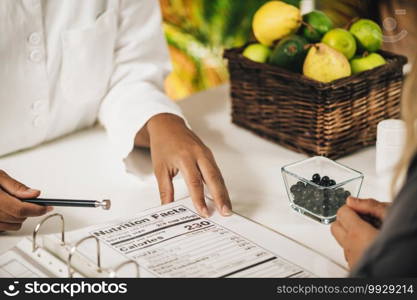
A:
394,61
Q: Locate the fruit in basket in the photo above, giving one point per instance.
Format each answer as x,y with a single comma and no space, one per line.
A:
290,53
257,52
325,64
274,21
342,41
368,34
316,24
369,62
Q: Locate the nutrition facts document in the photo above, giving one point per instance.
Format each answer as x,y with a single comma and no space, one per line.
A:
174,241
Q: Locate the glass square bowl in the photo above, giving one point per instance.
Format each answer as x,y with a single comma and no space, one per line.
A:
317,187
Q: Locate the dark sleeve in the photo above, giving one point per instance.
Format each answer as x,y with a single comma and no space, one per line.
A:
394,252
398,259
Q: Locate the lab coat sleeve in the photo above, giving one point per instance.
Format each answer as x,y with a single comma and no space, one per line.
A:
141,64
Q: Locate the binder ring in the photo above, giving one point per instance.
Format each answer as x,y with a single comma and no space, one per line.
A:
35,232
114,272
74,248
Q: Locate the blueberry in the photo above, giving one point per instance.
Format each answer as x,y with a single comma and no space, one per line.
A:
308,204
347,194
331,194
315,209
340,203
298,201
316,178
325,181
293,189
310,188
332,182
301,184
340,192
325,211
318,195
305,193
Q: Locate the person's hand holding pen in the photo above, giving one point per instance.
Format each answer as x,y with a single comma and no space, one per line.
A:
357,225
175,148
13,212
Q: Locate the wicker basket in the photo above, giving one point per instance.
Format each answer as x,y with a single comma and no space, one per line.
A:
329,119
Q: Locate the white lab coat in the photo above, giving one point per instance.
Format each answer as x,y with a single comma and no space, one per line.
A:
64,64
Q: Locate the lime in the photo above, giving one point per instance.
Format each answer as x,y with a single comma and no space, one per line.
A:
342,41
317,24
257,52
361,64
368,34
290,53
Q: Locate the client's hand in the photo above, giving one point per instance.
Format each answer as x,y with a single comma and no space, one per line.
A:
14,212
353,233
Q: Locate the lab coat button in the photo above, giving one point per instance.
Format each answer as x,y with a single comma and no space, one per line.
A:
34,38
37,121
37,105
35,56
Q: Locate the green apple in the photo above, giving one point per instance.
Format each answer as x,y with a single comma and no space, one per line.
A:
368,34
257,52
361,64
342,41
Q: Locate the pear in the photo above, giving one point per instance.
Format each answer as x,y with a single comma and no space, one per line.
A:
326,64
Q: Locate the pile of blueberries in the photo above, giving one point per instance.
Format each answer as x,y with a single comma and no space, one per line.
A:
321,201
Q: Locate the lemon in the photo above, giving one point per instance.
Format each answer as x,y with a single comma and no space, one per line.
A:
274,21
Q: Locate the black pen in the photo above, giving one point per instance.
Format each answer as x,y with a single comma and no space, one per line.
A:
104,204
374,221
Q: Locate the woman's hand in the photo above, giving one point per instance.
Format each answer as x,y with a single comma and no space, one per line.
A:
175,148
352,233
370,207
14,212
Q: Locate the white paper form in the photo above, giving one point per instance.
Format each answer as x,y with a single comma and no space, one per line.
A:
14,266
174,241
17,263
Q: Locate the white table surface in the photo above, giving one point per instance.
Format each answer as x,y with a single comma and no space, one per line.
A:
83,165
